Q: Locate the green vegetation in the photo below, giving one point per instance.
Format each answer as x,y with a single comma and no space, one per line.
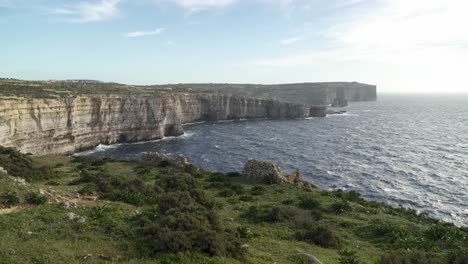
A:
54,89
130,213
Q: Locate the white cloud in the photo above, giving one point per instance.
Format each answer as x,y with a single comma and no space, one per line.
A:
197,5
393,31
290,41
89,11
417,45
144,33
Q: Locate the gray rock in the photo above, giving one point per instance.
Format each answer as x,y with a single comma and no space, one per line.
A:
309,257
155,158
81,219
259,170
296,179
69,216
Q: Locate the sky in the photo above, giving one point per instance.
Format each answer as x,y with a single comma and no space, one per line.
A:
399,45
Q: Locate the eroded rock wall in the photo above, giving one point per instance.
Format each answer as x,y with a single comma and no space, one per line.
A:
69,124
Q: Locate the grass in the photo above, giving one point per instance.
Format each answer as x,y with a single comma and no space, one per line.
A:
252,222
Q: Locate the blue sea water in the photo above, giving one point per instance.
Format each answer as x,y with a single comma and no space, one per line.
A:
409,150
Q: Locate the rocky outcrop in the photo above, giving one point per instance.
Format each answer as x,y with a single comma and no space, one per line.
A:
156,159
263,170
268,171
64,125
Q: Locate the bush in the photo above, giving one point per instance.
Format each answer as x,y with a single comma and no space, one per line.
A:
10,199
20,165
245,232
98,162
247,198
185,221
164,164
53,183
87,189
218,177
128,189
263,214
233,174
257,190
404,257
348,257
351,196
36,198
340,207
320,236
308,202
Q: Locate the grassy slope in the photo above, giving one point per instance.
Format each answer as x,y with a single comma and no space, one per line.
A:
39,234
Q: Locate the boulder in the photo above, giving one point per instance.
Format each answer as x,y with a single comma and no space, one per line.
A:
296,179
69,216
309,257
267,170
261,170
155,159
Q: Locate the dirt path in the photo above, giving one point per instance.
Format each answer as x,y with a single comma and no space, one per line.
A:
10,210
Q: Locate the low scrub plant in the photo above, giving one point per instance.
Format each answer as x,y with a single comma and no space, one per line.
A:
320,236
9,199
36,198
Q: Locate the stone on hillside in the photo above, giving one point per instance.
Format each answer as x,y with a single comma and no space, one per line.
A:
155,159
262,170
309,257
80,219
295,178
69,216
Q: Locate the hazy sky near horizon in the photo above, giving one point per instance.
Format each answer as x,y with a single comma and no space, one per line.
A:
400,45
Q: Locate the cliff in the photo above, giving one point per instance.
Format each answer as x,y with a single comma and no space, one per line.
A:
66,124
299,93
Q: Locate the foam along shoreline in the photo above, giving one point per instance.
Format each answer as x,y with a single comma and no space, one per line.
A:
103,147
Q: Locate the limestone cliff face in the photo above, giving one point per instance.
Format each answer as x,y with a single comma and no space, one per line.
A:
69,124
298,93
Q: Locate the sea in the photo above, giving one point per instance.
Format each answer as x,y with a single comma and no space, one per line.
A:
407,150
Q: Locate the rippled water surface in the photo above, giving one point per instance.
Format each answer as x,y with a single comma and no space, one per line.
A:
403,149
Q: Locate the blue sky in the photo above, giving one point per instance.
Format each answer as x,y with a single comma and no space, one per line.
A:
400,45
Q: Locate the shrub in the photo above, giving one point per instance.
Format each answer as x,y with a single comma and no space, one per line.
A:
340,207
87,189
351,196
218,177
257,190
128,189
263,214
53,183
308,202
226,193
98,162
36,198
348,257
320,236
403,257
20,165
245,232
247,198
194,171
185,221
10,199
164,164
233,174
99,211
